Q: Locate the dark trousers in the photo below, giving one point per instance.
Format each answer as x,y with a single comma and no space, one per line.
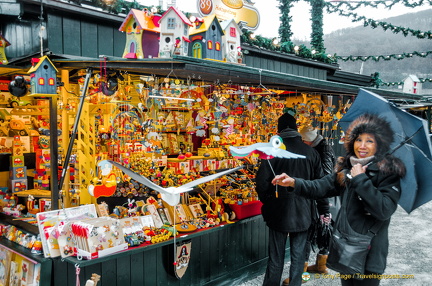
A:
276,261
364,282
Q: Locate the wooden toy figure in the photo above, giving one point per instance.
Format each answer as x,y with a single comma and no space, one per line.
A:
93,280
3,44
108,182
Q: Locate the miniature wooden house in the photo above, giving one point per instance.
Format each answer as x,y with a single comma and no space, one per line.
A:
206,38
231,50
174,35
43,76
412,84
3,44
142,34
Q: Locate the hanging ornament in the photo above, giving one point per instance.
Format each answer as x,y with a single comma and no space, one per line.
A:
18,87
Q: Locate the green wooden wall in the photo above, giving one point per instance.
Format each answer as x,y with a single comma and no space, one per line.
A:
64,35
275,64
219,256
72,36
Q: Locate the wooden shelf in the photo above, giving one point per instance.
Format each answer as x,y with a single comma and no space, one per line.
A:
7,219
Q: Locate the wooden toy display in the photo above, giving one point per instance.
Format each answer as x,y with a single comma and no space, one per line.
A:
171,132
151,158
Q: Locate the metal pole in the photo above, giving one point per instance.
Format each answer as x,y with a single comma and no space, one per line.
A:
74,131
53,152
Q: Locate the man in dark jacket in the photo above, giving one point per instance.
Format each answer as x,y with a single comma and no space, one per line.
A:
286,213
326,207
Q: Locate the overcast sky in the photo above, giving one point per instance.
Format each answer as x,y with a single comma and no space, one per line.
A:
301,24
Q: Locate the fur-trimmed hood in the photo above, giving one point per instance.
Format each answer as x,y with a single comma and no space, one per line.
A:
384,135
373,124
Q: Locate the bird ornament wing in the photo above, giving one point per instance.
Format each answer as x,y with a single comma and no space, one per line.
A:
138,178
244,151
274,148
171,195
279,153
208,178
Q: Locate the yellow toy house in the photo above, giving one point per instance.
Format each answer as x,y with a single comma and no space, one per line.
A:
142,34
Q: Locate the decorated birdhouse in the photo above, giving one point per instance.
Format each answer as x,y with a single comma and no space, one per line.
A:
206,38
174,33
231,41
43,77
3,44
412,84
142,34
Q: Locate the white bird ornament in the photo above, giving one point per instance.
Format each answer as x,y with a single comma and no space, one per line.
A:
171,195
274,148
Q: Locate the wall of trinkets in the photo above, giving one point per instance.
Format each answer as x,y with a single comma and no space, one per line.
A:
171,131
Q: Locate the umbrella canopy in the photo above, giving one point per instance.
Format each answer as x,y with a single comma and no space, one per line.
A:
412,145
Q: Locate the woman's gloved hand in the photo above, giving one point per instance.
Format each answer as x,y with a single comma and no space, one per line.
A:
326,218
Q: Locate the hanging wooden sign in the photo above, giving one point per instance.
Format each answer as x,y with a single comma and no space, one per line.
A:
183,251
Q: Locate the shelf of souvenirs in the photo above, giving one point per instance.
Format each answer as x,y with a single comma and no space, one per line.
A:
28,224
221,202
32,252
131,250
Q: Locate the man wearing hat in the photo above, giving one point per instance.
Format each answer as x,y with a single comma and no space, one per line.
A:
286,214
326,207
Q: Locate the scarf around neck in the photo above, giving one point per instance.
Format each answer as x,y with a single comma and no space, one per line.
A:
317,140
289,133
361,161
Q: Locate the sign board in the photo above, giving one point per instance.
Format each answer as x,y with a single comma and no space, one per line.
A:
240,10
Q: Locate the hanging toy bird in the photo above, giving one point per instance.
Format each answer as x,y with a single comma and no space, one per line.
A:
274,148
171,195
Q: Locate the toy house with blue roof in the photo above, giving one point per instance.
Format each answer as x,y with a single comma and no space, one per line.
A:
43,77
206,38
142,34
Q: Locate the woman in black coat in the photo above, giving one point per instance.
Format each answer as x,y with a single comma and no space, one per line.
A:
370,177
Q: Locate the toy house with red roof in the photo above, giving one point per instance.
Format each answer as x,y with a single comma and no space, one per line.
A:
174,33
206,38
231,50
43,76
3,44
142,34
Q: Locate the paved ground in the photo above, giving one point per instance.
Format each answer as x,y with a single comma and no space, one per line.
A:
410,252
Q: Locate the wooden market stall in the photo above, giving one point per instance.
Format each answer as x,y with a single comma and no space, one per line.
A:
84,59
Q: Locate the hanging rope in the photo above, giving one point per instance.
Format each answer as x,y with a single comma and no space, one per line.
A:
77,272
274,174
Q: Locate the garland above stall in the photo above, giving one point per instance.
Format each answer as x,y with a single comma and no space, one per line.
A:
399,56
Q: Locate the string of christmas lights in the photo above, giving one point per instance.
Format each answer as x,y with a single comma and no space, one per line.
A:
383,57
387,4
375,24
422,80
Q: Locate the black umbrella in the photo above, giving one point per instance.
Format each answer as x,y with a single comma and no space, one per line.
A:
412,145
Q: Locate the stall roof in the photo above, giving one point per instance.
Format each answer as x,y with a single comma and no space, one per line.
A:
222,72
8,70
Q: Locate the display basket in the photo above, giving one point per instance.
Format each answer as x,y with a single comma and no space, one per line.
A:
246,210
